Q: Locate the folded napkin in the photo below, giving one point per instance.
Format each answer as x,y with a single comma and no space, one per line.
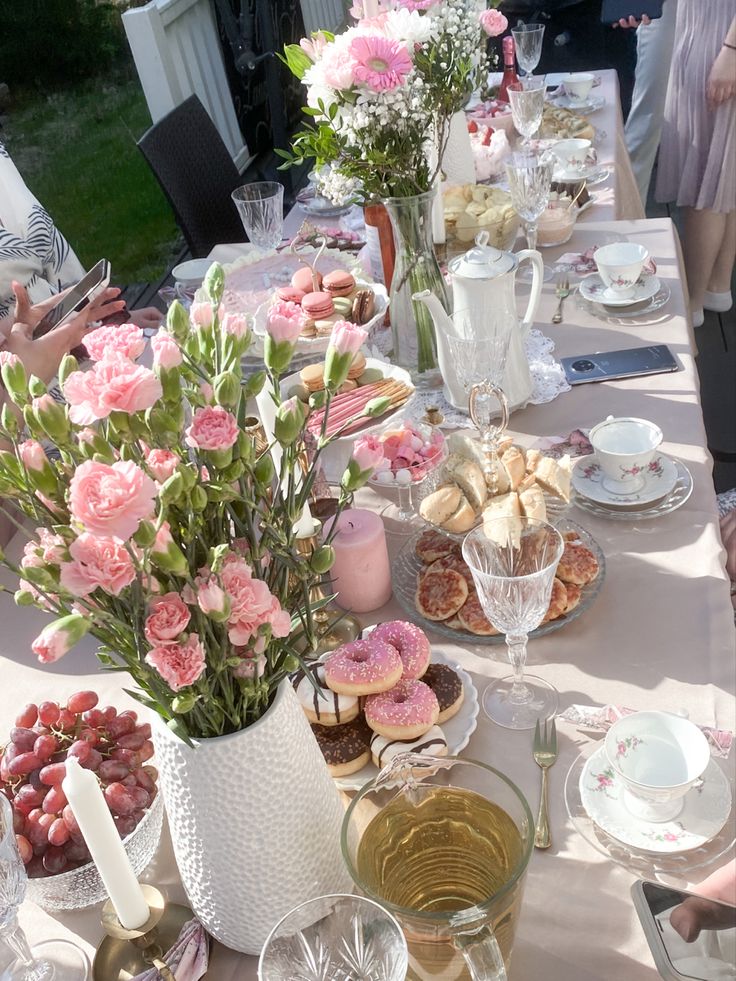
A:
188,958
600,718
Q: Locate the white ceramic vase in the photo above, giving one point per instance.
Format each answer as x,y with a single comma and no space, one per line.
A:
255,821
458,164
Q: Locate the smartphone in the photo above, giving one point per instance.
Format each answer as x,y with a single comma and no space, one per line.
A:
613,10
628,363
711,956
76,299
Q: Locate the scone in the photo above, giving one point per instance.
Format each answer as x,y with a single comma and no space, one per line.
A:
439,506
469,477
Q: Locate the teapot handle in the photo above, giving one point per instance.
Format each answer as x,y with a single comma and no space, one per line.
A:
537,283
482,954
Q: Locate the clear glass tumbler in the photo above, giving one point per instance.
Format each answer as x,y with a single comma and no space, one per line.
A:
261,209
528,41
513,562
335,938
52,960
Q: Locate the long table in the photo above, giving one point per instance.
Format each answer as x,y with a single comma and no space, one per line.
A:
660,635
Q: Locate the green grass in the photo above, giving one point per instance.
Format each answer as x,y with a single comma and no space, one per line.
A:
76,150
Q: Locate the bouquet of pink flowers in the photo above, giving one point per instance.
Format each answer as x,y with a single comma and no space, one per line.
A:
161,529
379,90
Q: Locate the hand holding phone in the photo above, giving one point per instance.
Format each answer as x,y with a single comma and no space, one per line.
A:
91,286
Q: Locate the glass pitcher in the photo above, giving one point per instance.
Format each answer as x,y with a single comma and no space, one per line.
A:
443,844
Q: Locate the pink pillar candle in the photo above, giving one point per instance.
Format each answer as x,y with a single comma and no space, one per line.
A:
361,575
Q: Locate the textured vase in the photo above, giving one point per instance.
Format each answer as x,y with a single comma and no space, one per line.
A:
458,163
415,269
255,821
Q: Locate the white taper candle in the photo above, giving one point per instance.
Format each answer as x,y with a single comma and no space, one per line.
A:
101,837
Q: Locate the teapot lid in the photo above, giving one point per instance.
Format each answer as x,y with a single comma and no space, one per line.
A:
483,261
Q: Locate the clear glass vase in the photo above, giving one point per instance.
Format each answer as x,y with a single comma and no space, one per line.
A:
416,268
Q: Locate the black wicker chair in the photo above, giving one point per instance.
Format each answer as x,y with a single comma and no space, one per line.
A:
197,175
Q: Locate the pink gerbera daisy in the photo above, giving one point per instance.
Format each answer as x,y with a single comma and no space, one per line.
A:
380,63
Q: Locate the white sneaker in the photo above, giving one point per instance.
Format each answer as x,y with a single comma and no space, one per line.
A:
718,302
698,317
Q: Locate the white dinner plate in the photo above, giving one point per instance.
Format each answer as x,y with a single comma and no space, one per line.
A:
594,289
659,480
457,730
705,810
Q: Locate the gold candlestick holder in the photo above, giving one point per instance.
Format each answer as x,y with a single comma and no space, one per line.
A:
123,954
335,628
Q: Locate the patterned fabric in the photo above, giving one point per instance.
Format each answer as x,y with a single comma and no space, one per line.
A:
32,249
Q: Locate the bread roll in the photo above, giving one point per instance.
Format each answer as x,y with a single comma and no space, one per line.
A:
554,476
515,464
469,477
441,505
462,520
532,503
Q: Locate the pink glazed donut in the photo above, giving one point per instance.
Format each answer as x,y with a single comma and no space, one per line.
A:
411,643
363,668
405,712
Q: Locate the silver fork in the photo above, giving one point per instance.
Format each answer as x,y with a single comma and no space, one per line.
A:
562,291
545,754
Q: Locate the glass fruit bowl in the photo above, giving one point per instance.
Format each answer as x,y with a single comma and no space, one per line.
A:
83,886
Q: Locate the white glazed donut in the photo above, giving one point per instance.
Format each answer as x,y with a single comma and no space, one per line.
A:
432,743
326,707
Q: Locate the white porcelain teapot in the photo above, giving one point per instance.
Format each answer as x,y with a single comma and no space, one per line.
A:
484,305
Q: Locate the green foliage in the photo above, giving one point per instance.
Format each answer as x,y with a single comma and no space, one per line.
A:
55,42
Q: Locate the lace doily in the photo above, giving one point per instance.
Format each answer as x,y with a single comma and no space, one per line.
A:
548,379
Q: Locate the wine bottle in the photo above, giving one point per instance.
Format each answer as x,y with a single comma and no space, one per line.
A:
380,241
509,68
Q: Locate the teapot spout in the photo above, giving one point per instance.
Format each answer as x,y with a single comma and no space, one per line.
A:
442,322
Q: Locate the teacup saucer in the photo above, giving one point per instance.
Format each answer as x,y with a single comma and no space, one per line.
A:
594,289
659,479
704,813
594,174
590,103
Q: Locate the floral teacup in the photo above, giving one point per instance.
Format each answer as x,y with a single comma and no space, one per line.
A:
658,757
619,266
578,86
624,448
575,157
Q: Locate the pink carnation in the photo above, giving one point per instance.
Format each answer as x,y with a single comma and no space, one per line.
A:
113,385
32,454
166,352
367,452
180,665
111,501
346,338
53,546
7,357
236,324
201,314
51,644
493,22
110,339
253,666
211,597
381,63
284,321
417,4
212,428
314,46
162,463
250,599
97,562
168,618
338,67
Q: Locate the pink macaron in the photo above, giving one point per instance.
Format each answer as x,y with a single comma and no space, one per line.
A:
318,305
290,294
302,279
339,282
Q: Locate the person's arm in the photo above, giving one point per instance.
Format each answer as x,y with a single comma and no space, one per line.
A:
721,85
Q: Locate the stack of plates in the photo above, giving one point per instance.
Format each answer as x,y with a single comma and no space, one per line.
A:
667,485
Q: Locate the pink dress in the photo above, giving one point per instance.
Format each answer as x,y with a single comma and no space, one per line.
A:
697,153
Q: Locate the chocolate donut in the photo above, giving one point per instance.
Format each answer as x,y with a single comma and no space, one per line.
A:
446,684
346,748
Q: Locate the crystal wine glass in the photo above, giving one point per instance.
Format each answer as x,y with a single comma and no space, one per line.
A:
530,178
527,105
335,938
513,562
52,960
528,41
261,209
480,363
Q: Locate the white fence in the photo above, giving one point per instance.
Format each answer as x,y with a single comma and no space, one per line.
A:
177,53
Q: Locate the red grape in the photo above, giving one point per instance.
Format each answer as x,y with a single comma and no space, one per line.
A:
28,795
45,746
120,726
109,713
23,738
146,751
25,848
129,781
36,834
23,764
58,833
127,756
145,728
10,752
55,800
82,701
19,821
35,868
110,770
125,823
69,820
67,720
90,736
93,717
45,821
76,851
34,815
129,714
118,799
140,796
80,749
133,740
144,779
28,716
54,773
93,761
48,713
54,860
